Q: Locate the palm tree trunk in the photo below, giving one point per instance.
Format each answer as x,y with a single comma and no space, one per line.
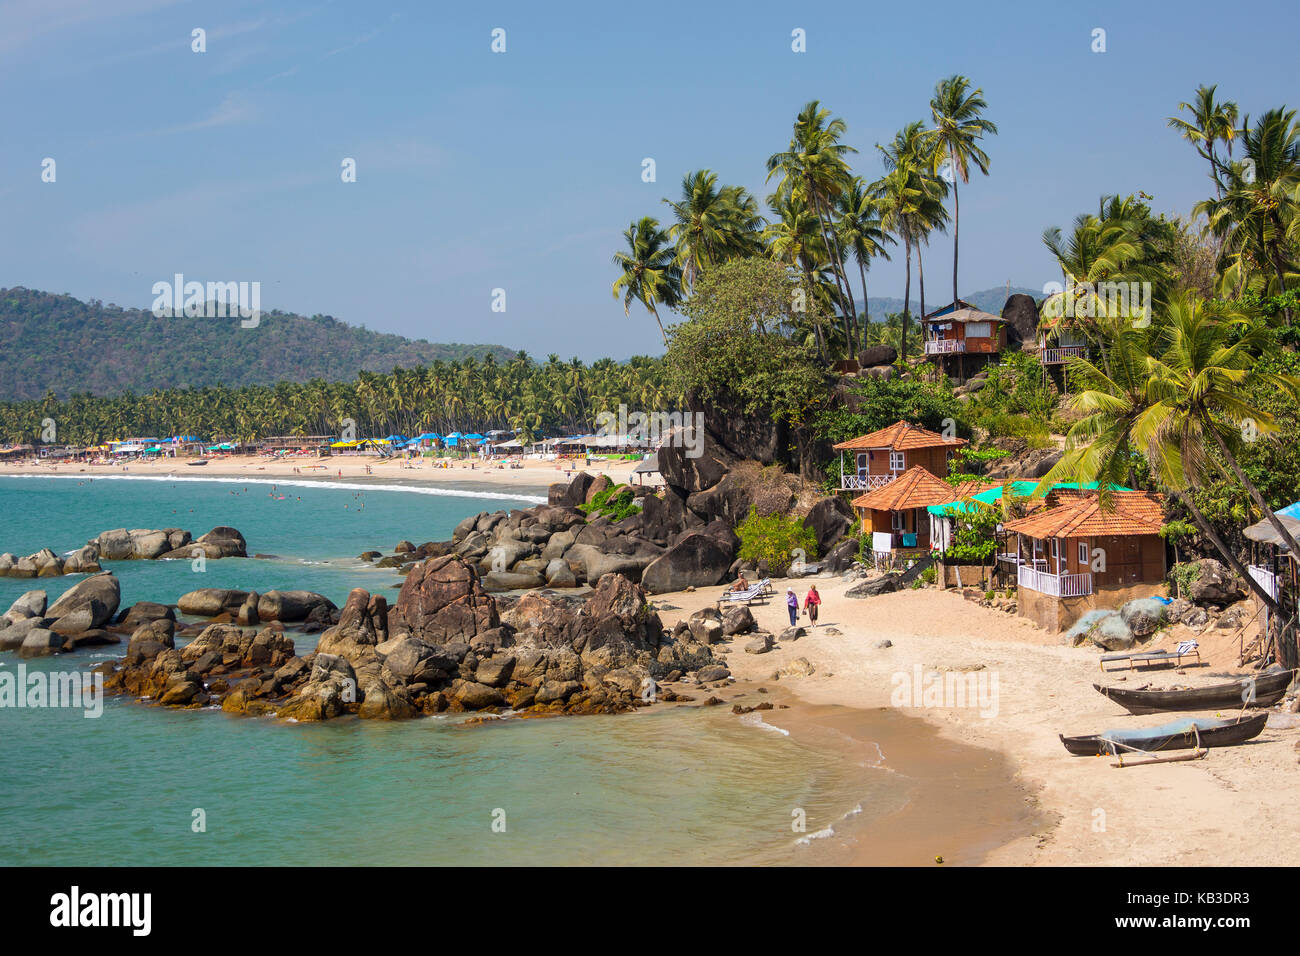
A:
837,265
956,224
1251,490
661,325
920,269
866,303
907,298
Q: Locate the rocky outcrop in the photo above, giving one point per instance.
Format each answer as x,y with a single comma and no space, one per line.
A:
77,619
46,564
292,606
1020,312
698,560
1214,584
875,355
829,519
444,646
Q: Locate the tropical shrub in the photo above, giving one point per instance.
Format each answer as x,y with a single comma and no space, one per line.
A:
776,540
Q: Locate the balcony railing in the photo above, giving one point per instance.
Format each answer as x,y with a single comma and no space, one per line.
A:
866,482
1266,579
944,346
1062,354
1057,585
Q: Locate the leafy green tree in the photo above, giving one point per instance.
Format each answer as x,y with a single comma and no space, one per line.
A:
650,273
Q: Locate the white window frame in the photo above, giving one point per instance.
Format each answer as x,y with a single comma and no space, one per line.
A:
898,520
1083,554
896,461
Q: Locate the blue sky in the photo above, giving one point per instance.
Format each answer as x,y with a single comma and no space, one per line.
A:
478,171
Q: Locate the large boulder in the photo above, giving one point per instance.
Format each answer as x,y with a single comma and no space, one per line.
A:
829,519
226,542
115,545
100,593
572,494
1020,312
698,560
28,604
146,544
875,586
877,355
209,602
1214,584
1143,616
842,556
82,561
442,600
290,606
40,642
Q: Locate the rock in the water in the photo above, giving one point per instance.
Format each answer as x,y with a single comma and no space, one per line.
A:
209,602
28,604
40,642
442,600
291,606
101,593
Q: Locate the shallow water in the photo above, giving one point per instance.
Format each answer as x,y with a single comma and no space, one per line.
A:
686,785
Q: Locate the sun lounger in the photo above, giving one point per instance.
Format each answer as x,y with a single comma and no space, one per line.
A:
754,592
1154,657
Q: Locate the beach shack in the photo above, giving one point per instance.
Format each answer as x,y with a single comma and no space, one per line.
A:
1073,556
875,460
895,514
961,339
1274,567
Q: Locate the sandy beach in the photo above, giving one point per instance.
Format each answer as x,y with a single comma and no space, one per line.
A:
1072,810
533,474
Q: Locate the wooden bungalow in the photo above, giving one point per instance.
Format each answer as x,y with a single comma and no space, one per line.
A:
960,339
1276,569
881,457
1072,556
895,514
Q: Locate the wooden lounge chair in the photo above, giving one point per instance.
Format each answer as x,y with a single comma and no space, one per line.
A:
1150,657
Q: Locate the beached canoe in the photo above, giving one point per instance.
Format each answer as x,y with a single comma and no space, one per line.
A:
1178,735
201,461
1262,691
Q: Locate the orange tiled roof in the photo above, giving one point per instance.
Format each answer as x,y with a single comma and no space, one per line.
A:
914,488
1132,513
968,488
900,436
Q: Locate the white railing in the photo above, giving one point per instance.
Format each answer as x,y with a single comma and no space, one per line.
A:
1266,579
866,482
944,346
1062,354
1057,585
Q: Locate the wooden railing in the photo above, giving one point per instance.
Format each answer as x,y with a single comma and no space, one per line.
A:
1062,354
1266,579
944,346
866,482
1057,585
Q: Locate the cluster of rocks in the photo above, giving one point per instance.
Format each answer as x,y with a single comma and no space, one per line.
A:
446,645
46,564
997,600
81,617
310,611
122,544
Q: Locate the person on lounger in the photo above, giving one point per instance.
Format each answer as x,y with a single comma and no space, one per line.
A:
741,583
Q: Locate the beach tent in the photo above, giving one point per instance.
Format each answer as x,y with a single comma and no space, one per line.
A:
473,436
453,438
428,436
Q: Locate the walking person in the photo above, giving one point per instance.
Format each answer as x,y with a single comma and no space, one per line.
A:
811,603
792,604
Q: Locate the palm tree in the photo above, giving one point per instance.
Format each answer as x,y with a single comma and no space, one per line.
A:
650,273
1211,123
712,224
1173,393
862,233
911,201
814,169
1258,209
957,127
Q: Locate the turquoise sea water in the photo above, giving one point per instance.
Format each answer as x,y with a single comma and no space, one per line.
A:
661,786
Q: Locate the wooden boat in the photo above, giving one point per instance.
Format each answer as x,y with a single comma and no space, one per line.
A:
197,461
1178,735
1262,691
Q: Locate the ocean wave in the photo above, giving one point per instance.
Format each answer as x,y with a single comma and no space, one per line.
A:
302,483
756,721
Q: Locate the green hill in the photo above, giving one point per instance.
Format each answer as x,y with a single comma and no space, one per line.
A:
61,344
